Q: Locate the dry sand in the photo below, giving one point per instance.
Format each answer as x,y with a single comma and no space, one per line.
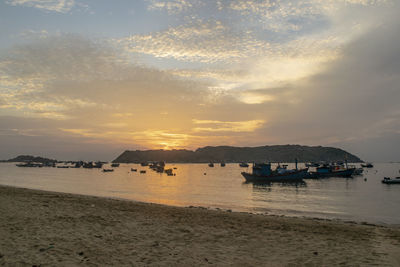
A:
56,229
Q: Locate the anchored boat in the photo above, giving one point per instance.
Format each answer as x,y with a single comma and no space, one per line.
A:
262,172
331,171
387,180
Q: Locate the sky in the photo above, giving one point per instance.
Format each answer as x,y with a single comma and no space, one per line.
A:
88,79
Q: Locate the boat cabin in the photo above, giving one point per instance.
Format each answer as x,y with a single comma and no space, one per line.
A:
262,169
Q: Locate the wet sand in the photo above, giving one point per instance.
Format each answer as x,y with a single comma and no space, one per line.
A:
49,229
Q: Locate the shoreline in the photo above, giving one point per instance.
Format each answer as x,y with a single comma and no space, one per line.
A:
219,208
52,228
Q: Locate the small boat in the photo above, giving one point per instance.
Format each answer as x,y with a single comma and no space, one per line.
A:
63,167
108,170
387,180
222,164
143,164
263,173
243,165
142,171
114,165
168,171
30,164
133,170
358,171
98,165
367,165
210,164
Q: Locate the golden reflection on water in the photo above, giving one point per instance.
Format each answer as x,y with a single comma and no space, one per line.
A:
224,187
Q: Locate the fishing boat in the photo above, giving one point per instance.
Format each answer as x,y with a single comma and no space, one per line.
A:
133,170
263,173
210,164
331,171
243,165
387,180
114,165
108,170
142,171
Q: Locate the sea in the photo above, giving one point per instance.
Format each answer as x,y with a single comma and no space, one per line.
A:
361,198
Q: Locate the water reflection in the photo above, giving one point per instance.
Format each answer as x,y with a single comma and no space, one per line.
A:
281,184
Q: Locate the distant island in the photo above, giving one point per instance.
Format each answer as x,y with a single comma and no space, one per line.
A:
275,153
29,158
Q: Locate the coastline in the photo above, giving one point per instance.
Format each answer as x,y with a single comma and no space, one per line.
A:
48,228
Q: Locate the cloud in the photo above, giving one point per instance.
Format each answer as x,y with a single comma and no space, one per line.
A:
227,126
61,6
353,100
242,85
202,42
172,6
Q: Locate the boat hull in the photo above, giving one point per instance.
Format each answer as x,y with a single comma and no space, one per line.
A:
342,173
391,181
296,176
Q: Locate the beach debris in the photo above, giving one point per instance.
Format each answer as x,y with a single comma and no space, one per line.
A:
315,253
80,253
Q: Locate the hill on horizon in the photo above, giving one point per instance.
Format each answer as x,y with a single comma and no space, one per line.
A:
275,153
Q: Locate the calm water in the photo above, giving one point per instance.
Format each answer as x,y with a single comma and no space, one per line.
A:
224,187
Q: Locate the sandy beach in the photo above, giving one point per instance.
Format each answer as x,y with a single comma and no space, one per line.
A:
48,229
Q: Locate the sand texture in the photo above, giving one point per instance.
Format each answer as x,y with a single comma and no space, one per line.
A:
55,229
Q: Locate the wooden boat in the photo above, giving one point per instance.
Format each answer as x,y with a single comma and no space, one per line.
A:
262,173
222,164
243,165
108,170
331,171
114,165
387,180
133,170
210,164
142,171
